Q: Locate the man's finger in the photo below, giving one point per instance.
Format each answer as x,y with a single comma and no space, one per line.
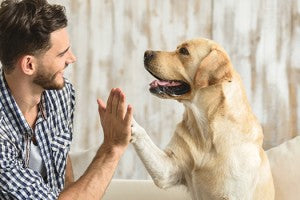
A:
115,101
109,101
101,107
128,115
121,106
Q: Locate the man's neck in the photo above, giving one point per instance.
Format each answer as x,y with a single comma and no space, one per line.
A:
26,95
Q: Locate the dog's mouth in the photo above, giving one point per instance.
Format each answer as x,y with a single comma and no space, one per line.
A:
168,87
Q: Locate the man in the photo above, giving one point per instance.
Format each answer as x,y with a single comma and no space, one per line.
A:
37,106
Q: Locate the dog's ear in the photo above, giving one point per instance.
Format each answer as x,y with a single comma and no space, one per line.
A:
213,69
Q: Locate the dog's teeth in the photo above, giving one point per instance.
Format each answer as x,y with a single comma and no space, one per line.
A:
153,84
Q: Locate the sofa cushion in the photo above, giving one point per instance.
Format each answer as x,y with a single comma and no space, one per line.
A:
142,190
285,164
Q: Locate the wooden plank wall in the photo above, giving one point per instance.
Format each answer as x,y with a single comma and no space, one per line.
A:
109,38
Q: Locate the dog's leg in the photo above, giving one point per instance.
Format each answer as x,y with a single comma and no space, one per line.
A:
161,166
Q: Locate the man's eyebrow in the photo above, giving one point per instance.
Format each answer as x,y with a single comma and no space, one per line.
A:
62,53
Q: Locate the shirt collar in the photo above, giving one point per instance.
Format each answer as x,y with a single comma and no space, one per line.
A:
46,108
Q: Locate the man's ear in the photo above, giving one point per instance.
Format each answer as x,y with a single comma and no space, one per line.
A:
28,64
213,69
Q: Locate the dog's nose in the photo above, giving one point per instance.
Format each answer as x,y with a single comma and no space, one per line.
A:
148,56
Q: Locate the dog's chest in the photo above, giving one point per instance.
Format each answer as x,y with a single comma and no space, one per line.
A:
225,177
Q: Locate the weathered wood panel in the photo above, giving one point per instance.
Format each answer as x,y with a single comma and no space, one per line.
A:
262,38
110,37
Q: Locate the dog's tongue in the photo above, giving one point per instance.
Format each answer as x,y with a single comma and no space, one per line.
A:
157,83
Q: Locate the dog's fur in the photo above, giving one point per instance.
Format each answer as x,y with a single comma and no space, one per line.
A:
216,150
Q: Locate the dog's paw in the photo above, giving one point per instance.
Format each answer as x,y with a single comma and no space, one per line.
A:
136,131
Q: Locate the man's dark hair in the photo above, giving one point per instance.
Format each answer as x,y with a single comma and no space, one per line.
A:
25,28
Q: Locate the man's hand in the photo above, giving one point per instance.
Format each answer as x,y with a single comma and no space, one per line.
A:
116,121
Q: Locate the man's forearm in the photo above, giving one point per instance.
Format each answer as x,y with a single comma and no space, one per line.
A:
93,183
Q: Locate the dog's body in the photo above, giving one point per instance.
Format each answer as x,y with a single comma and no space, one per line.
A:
216,150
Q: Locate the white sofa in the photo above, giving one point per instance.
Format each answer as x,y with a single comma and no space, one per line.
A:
284,160
285,163
142,190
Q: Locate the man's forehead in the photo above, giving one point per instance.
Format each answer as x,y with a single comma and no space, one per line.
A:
60,39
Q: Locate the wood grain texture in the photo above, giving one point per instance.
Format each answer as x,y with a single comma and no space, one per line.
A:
109,38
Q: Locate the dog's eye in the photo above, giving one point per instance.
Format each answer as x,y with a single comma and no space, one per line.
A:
184,51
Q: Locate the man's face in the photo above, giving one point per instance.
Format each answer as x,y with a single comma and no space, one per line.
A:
51,65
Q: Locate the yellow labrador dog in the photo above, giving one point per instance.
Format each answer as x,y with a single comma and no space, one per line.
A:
216,150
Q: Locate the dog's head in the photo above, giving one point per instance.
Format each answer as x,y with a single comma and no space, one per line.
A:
194,65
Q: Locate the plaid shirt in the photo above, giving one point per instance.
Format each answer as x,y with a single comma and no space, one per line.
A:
53,132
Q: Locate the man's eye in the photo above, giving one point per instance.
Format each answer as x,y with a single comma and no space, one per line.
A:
184,51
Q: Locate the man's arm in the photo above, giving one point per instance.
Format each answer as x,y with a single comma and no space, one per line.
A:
116,124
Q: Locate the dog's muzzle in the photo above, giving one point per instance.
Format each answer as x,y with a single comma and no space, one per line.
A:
148,56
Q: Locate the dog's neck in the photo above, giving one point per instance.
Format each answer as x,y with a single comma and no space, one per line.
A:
200,111
219,102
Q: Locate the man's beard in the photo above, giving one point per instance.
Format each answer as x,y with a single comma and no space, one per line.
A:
47,80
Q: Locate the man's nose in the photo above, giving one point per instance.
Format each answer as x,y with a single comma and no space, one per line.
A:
71,57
